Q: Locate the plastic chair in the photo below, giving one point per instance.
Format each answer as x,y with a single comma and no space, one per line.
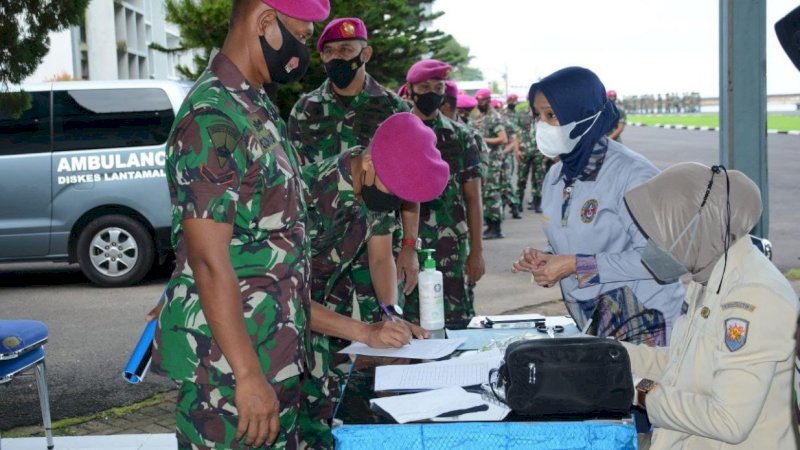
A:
22,348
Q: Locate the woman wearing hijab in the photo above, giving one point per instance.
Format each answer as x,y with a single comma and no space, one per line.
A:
594,247
725,381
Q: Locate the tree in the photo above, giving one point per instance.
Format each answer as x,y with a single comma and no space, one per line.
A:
25,27
399,30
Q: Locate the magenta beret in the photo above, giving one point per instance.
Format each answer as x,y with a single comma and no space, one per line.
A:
497,104
483,93
450,89
512,97
406,159
307,10
464,101
342,29
428,69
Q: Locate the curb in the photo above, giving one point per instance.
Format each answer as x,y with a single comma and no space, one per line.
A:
687,127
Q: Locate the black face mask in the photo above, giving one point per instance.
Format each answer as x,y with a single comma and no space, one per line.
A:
341,72
377,200
288,63
512,107
483,107
428,103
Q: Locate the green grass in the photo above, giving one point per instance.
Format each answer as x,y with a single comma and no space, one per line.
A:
781,122
793,274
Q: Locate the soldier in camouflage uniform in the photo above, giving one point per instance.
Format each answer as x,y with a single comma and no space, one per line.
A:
342,113
616,133
509,194
450,224
530,160
494,135
344,221
233,326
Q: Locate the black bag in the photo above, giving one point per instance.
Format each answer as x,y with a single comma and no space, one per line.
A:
578,378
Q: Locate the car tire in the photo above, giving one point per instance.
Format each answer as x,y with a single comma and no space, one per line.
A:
115,251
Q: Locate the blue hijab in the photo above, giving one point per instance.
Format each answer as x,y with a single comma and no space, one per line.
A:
575,94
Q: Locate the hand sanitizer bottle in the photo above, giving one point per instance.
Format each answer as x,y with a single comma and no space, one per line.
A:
431,295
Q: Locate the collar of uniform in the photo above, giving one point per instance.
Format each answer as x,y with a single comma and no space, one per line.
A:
233,80
345,187
736,253
594,164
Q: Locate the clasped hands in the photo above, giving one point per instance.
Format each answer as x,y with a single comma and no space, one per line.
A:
547,269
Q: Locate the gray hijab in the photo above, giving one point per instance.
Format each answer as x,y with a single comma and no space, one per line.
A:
665,205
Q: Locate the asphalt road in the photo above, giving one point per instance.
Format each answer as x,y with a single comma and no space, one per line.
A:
93,330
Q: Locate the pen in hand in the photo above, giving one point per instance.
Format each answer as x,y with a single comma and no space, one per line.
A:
386,311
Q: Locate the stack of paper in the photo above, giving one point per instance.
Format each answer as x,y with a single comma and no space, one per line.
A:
430,404
417,349
467,370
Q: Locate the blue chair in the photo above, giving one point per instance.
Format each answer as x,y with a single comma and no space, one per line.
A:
22,348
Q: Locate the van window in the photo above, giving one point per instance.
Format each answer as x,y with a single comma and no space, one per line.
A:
109,118
30,133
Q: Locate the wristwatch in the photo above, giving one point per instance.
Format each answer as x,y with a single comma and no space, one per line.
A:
642,389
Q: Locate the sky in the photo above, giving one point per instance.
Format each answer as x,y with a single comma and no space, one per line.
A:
635,46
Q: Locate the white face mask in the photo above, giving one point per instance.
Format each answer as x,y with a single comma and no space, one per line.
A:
553,141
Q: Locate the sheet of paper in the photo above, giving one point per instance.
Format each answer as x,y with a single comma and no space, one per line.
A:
478,338
427,405
417,349
465,371
495,413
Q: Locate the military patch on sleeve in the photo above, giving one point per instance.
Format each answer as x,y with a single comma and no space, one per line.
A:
736,333
745,306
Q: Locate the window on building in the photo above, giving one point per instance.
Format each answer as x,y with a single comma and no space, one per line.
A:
110,118
30,133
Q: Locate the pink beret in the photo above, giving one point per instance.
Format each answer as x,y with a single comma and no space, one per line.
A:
306,10
512,97
450,89
342,29
428,69
611,92
406,159
483,93
402,91
465,102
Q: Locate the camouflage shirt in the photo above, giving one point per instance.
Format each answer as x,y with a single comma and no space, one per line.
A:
339,225
228,160
459,148
321,125
490,125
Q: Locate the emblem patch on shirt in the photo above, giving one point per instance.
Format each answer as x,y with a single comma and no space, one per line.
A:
589,210
745,306
735,333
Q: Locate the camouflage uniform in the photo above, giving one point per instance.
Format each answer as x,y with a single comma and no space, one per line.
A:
443,222
339,227
509,194
531,163
228,160
491,125
623,118
321,126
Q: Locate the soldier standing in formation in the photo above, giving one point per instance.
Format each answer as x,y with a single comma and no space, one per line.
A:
450,224
616,133
529,160
495,137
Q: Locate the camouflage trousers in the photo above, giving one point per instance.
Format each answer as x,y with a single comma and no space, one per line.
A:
451,258
530,164
509,194
492,189
207,417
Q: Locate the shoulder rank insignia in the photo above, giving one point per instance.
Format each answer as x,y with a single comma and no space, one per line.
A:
735,333
589,210
745,306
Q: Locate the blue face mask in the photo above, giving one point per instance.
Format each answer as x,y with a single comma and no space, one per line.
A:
661,263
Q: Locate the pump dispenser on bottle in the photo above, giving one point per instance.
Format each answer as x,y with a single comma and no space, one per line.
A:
431,295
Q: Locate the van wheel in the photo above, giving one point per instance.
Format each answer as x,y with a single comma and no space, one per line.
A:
115,251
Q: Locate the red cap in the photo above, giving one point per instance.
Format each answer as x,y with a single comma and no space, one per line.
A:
465,102
483,93
406,159
450,89
342,29
306,10
428,69
512,97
